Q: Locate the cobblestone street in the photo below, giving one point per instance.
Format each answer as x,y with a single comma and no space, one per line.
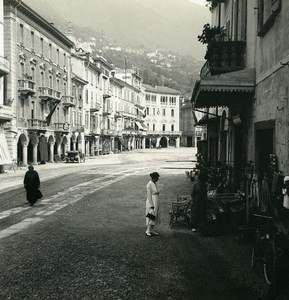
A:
86,238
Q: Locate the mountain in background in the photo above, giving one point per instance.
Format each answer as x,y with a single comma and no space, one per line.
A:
172,25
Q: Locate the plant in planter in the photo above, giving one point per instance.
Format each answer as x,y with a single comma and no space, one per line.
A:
212,4
209,33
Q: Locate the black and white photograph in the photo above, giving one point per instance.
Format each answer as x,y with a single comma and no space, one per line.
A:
144,150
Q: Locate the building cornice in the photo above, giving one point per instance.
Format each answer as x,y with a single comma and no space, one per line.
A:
31,14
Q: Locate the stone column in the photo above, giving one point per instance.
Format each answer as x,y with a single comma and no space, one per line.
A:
34,159
178,142
143,143
158,142
58,149
24,153
112,144
51,152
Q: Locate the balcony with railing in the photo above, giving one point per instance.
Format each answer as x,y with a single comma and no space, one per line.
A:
95,130
6,114
26,87
107,112
223,57
67,101
35,124
61,127
47,93
107,93
95,107
4,66
109,132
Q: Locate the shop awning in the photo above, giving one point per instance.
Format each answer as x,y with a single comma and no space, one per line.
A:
224,89
121,140
139,125
4,152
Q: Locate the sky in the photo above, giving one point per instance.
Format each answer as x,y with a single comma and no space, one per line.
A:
200,2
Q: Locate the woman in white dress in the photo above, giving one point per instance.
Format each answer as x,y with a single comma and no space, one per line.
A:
152,204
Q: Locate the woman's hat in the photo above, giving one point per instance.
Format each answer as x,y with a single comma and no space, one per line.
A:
155,175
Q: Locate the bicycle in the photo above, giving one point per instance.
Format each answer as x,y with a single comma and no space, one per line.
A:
264,248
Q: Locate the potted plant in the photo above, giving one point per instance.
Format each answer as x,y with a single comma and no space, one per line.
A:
209,33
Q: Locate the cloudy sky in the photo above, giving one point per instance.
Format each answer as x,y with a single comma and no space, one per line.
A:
200,2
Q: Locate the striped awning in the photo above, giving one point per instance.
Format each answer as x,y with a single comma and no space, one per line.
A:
4,152
224,89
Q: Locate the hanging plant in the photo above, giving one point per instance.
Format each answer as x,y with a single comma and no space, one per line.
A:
209,33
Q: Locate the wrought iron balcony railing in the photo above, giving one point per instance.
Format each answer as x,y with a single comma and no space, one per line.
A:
223,57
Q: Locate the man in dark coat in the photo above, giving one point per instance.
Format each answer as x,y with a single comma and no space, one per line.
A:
199,201
31,184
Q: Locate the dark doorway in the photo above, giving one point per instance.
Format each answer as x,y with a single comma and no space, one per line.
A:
189,141
264,147
163,142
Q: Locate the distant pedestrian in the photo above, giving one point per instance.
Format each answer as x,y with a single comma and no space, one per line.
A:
32,184
152,205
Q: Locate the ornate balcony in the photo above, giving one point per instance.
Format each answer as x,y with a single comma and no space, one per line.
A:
26,87
61,127
47,93
223,57
109,132
107,94
67,101
6,114
35,124
4,66
96,107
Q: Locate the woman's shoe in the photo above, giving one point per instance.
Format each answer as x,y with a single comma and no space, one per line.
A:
148,233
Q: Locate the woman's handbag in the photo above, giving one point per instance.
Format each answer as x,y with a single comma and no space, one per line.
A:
39,194
151,215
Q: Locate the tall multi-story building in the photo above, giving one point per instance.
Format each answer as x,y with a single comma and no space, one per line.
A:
162,116
227,83
132,109
187,124
6,112
39,84
244,85
88,73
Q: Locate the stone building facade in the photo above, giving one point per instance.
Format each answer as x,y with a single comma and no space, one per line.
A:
39,84
244,86
162,116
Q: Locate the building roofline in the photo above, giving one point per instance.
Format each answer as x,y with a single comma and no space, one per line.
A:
28,11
